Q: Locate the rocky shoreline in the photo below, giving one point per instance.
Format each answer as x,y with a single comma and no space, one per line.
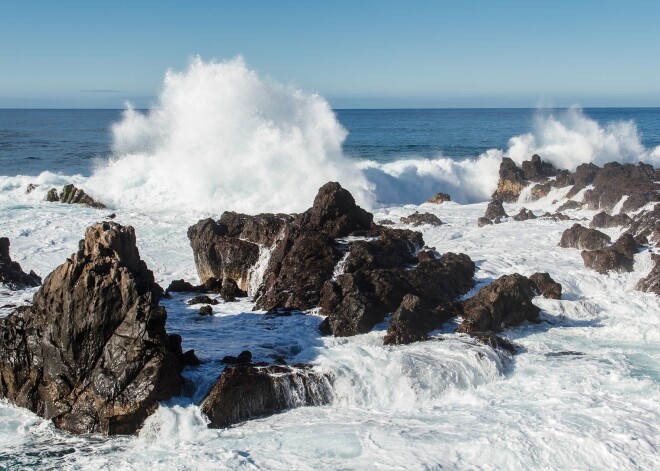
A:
92,354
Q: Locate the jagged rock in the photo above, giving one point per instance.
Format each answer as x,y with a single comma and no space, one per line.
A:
412,321
570,204
546,286
11,273
248,391
603,220
230,291
72,195
212,285
206,310
439,198
504,303
202,299
30,188
651,282
647,224
495,210
524,215
536,169
91,353
556,216
579,237
243,358
52,196
494,341
617,257
386,222
510,183
540,190
111,216
418,219
612,182
482,221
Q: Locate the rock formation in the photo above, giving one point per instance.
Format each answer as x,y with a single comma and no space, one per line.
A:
72,195
546,286
603,220
524,215
579,237
651,282
419,219
617,257
11,273
91,353
439,198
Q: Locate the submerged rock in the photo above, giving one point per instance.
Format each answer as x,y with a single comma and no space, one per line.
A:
419,219
92,353
11,273
249,391
579,237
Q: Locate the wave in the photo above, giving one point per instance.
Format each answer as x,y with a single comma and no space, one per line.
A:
222,137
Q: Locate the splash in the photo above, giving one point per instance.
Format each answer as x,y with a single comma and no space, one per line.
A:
221,137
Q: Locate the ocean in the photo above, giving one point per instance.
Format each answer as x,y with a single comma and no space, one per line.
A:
583,391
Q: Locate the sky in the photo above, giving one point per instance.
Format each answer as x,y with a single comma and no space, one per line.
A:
357,54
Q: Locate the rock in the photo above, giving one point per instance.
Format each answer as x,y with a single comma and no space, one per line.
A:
540,190
190,359
111,216
495,210
413,320
556,216
72,195
418,219
52,196
618,257
647,224
603,220
243,358
248,391
639,182
11,273
546,286
651,282
570,204
205,310
91,353
202,299
510,183
535,170
494,341
230,291
524,215
579,237
482,221
504,303
30,188
181,286
439,198
386,222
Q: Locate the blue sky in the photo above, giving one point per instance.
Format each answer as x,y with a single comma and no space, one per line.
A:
356,53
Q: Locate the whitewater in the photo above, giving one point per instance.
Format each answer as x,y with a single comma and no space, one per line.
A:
583,391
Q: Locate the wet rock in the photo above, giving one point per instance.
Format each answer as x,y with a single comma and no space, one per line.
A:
439,198
556,216
603,220
524,215
504,303
72,195
248,391
647,224
30,188
202,299
11,273
651,282
482,221
535,169
91,353
494,341
205,310
579,237
111,216
418,219
386,222
546,286
570,204
614,180
181,286
540,190
413,319
243,358
617,257
495,210
52,196
510,183
230,291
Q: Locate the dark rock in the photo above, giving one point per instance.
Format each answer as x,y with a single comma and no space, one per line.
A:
11,273
615,180
72,195
249,391
190,359
546,286
243,358
52,196
618,257
202,299
30,188
412,321
504,303
495,210
603,220
418,219
386,222
482,221
230,291
111,216
181,286
91,353
647,224
439,198
524,215
205,310
579,237
651,282
570,204
536,170
556,216
510,183
540,190
494,341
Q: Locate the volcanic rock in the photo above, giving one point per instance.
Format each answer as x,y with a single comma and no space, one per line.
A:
504,303
536,169
495,210
617,257
91,353
524,215
439,198
546,286
418,219
540,190
510,183
202,299
603,220
412,321
612,182
647,224
579,237
247,391
11,273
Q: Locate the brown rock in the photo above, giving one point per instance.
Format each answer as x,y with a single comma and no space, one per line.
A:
11,273
579,237
546,286
418,219
439,198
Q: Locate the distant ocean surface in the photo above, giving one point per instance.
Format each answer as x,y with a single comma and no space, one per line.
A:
72,141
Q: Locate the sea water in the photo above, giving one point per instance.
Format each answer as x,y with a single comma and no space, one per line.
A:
583,391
